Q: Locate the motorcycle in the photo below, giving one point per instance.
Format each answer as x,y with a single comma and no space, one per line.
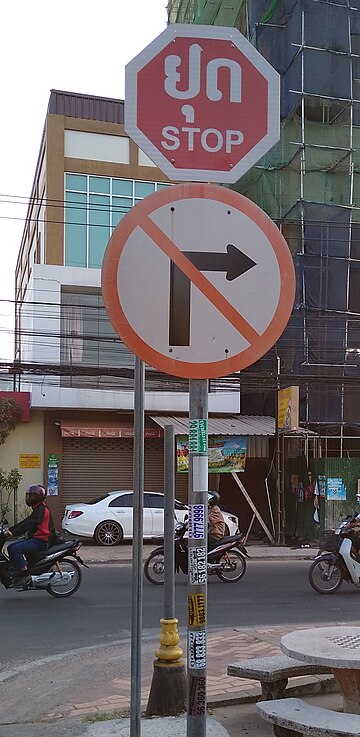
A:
50,570
226,557
335,562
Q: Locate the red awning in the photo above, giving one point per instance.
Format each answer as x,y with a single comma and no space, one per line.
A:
89,429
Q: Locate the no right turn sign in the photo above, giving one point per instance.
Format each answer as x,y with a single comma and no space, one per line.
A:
198,281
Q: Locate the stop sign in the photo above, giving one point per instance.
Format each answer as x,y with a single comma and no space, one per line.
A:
202,103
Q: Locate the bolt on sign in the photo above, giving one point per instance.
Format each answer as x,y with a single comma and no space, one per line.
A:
202,103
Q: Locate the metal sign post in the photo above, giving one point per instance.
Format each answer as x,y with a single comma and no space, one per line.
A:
197,574
137,589
169,516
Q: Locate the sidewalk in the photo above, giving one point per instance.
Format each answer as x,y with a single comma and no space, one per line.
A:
122,554
223,647
231,701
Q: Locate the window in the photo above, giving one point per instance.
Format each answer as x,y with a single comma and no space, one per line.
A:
93,208
156,501
88,338
125,500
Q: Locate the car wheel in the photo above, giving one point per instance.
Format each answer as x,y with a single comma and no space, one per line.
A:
108,533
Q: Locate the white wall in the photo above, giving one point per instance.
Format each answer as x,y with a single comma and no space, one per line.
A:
96,147
44,319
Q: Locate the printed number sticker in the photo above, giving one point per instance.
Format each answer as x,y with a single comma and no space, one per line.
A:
197,609
197,649
197,696
196,522
197,565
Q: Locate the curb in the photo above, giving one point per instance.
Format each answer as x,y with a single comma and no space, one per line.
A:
128,561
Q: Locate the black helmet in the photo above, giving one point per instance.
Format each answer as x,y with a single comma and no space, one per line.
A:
34,495
213,498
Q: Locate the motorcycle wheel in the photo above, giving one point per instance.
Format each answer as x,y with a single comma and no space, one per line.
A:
64,588
154,568
236,566
325,577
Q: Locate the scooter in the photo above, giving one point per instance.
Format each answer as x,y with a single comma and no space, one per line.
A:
50,570
226,558
335,561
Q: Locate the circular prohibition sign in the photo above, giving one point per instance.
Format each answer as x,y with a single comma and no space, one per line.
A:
198,281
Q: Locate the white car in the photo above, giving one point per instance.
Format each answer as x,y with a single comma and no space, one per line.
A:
109,518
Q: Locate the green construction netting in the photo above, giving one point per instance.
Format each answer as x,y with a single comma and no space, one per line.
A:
300,166
205,12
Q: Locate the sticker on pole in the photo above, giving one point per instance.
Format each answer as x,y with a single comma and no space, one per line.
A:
196,524
197,649
197,566
198,281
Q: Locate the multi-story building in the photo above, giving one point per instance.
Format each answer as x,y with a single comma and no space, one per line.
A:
88,175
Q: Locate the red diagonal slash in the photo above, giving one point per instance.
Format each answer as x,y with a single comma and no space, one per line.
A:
201,282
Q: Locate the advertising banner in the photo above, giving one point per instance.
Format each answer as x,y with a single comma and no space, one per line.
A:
227,453
288,408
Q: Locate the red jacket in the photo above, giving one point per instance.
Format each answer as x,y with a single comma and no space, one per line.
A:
39,524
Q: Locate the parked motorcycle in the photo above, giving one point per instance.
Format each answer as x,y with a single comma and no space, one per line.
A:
226,558
50,570
335,562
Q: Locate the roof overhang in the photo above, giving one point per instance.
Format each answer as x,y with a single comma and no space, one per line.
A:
229,425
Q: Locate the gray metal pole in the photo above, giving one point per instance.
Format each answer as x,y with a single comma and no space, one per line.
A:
169,519
137,589
197,576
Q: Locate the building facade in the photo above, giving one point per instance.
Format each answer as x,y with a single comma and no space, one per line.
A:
88,176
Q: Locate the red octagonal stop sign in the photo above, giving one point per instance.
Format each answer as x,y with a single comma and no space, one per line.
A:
202,103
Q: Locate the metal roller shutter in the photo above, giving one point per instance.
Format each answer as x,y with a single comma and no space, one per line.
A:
154,464
93,466
181,487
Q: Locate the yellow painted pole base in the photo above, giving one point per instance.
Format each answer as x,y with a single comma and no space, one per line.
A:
169,650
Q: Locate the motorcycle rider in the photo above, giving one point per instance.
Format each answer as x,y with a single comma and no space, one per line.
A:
38,527
216,524
354,524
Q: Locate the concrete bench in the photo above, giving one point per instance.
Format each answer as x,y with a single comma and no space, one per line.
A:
273,672
295,718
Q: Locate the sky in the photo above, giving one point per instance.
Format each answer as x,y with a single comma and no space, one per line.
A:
73,45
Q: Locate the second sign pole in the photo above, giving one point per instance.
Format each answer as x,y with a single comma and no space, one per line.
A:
197,572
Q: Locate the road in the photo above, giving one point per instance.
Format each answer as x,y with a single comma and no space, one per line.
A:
35,625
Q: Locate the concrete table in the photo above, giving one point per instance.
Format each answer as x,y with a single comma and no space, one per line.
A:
336,647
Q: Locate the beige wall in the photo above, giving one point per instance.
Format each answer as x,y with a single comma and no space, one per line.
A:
27,438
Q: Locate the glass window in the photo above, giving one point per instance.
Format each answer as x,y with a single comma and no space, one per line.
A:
122,187
120,206
76,181
99,184
99,228
125,500
142,189
75,229
156,501
162,186
91,214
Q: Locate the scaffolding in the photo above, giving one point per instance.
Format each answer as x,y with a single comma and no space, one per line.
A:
309,183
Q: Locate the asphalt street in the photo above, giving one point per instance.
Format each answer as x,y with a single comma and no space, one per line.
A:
35,625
